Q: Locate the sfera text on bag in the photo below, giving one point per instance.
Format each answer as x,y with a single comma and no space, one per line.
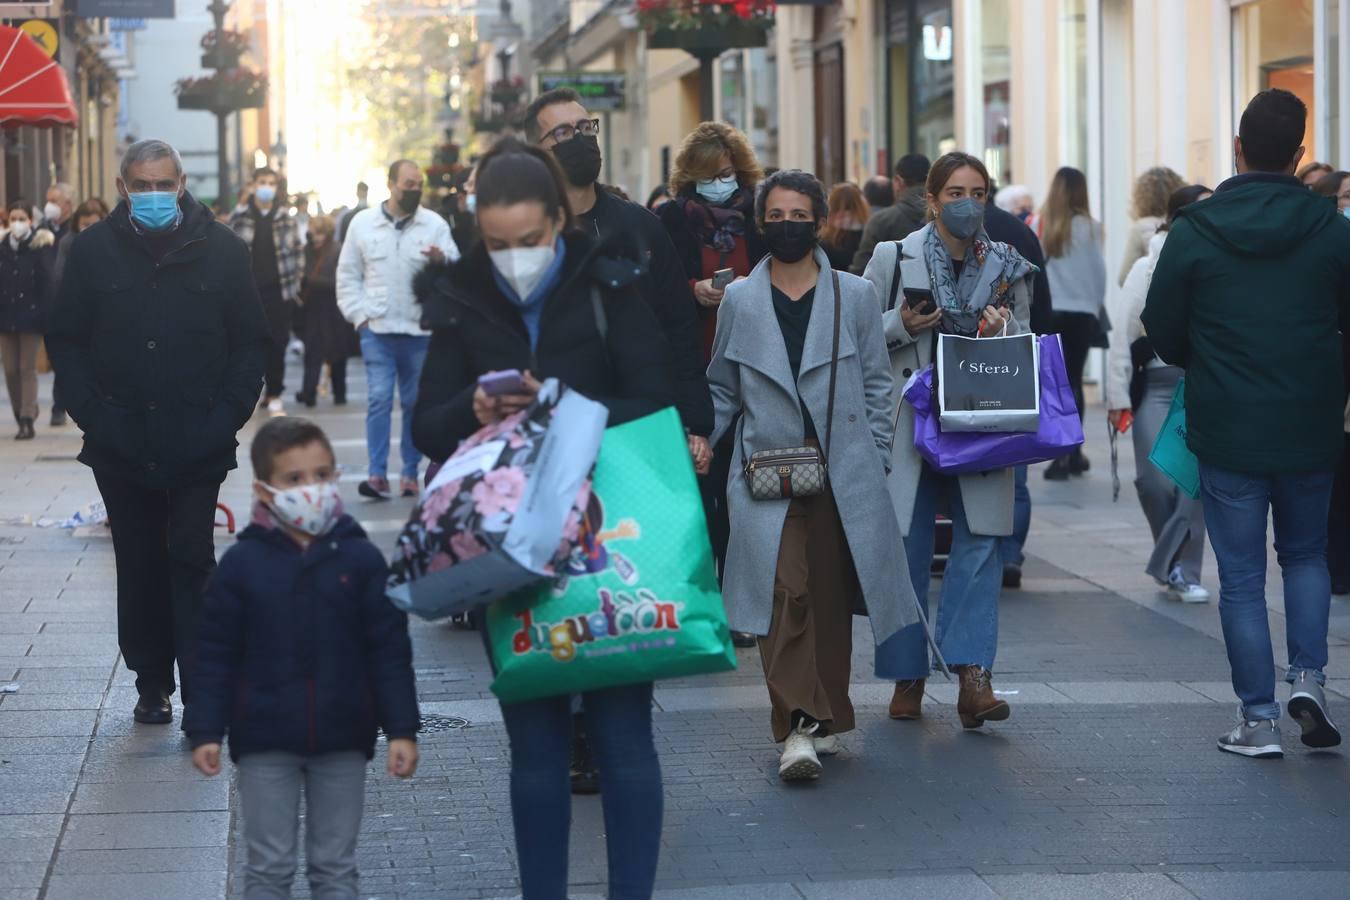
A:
620,614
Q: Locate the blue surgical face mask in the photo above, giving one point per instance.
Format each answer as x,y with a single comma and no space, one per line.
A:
266,194
1346,212
717,190
471,204
963,217
154,210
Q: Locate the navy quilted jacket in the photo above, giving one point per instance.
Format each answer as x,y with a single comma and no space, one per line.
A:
299,650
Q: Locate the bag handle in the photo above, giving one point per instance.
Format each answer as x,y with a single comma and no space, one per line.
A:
602,325
834,365
895,279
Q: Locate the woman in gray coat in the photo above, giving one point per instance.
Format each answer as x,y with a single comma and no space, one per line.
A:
796,566
949,276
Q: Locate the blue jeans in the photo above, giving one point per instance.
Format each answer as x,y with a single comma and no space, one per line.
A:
391,359
1011,547
619,726
967,625
1236,508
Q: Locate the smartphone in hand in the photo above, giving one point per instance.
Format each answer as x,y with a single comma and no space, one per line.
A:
497,384
723,277
921,301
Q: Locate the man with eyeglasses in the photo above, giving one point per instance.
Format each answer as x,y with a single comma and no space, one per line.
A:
557,121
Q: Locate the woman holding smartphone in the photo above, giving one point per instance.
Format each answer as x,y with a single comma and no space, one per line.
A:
948,276
535,299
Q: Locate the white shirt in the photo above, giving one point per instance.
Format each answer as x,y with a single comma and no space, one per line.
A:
378,264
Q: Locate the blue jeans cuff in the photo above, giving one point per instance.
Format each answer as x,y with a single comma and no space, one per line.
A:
1264,712
1293,672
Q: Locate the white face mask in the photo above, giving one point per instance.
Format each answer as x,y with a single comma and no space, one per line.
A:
524,267
20,231
311,508
52,213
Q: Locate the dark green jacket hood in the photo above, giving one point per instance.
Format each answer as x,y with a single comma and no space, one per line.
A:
1260,214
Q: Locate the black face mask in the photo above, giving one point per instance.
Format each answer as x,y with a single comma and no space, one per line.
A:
790,241
410,201
580,159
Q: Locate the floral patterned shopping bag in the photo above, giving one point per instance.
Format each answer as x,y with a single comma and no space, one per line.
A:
494,518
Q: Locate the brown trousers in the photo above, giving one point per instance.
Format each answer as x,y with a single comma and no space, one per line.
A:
809,648
20,355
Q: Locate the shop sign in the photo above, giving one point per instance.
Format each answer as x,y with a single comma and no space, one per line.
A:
124,9
46,33
600,91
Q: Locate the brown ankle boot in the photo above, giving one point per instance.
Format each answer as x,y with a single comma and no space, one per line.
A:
977,703
907,703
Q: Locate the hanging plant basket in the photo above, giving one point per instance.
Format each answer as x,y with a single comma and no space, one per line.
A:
223,50
705,28
223,92
713,41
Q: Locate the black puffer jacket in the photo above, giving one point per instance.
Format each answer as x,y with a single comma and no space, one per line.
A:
476,330
157,341
25,283
298,650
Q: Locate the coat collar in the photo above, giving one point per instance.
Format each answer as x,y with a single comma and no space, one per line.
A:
759,343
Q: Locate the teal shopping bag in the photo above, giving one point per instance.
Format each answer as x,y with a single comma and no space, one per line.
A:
639,599
1170,453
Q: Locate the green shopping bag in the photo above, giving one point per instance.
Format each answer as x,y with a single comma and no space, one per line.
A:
1170,453
639,599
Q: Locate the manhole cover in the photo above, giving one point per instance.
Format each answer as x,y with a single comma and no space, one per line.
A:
431,724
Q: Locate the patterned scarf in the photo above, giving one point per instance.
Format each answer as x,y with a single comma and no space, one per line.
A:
718,226
990,271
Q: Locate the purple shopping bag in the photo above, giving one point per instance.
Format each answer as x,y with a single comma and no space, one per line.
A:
961,452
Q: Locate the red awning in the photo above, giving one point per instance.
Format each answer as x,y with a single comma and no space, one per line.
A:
33,89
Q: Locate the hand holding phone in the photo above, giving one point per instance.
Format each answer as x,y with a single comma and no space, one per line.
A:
496,384
723,277
920,311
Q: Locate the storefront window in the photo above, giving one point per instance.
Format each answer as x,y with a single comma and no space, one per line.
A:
1073,80
1273,48
749,92
996,68
921,77
1336,75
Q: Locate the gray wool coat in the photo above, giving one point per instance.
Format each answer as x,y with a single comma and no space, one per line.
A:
986,497
750,376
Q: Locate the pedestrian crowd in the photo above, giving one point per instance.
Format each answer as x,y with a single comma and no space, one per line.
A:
786,322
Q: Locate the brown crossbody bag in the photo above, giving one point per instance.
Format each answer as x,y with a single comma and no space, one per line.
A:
798,471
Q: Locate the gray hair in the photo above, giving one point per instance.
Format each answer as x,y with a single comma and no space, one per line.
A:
65,190
149,151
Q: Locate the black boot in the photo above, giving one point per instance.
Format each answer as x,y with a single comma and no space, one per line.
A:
1058,470
1078,462
58,417
26,432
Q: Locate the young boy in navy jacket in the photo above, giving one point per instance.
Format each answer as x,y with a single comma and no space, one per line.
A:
299,659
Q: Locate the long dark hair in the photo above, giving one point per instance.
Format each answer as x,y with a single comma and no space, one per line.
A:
514,172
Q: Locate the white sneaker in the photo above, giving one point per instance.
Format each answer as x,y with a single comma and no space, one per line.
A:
799,761
275,407
1186,593
826,746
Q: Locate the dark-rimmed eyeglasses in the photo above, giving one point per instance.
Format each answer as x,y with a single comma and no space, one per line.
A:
568,130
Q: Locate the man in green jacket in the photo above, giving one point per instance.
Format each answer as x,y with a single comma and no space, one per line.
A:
1249,296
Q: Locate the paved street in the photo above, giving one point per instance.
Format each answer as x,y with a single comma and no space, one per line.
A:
1105,782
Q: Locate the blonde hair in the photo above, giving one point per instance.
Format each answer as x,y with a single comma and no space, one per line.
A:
1151,191
1068,198
845,197
323,224
701,152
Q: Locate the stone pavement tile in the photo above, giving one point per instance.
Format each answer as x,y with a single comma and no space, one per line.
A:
21,723
1075,887
104,768
134,831
28,826
139,886
178,859
40,746
68,645
97,662
205,794
1156,692
43,800
1305,885
31,850
20,623
20,893
22,875
88,700
935,887
1218,691
100,625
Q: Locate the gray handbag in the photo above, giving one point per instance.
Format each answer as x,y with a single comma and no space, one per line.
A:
797,471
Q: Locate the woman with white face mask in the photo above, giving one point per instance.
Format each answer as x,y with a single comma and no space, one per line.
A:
536,299
25,294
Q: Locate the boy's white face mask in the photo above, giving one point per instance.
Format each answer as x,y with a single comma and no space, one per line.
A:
309,508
